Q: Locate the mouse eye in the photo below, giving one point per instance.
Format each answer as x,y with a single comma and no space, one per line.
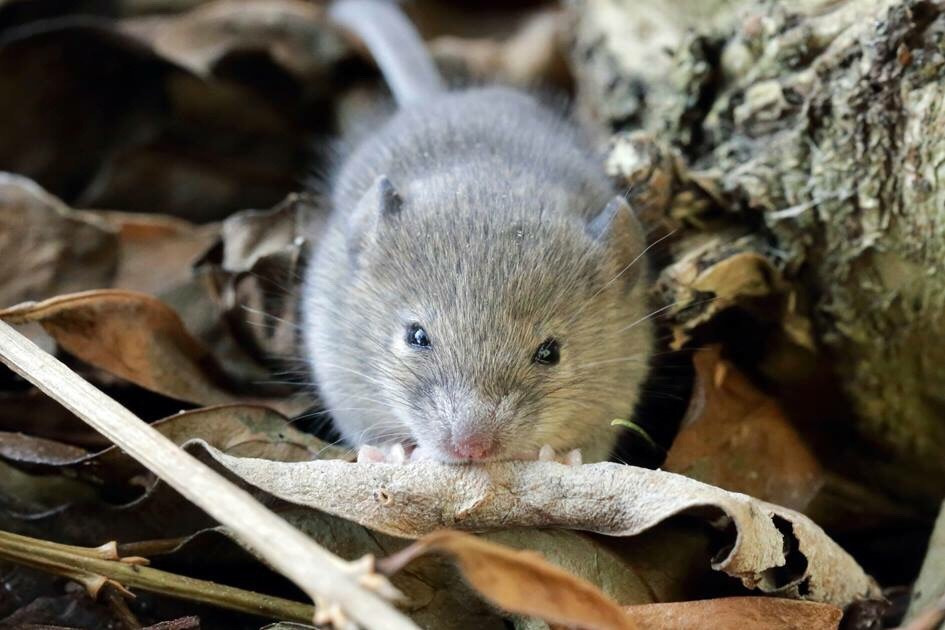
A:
547,352
417,336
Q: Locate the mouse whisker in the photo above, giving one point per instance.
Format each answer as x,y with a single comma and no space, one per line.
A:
662,309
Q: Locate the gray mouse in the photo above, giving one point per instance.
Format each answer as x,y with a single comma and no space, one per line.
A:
480,291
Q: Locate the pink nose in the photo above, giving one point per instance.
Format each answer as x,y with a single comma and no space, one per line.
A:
472,447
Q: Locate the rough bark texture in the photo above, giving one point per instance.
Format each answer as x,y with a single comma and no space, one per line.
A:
817,127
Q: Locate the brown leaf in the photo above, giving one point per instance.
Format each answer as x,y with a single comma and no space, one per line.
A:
47,248
293,33
131,335
33,450
756,613
518,581
532,55
737,438
240,430
155,252
714,274
43,417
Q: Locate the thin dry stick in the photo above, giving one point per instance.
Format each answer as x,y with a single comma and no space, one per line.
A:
327,579
90,566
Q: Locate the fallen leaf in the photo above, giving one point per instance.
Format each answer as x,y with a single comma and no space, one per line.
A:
26,449
49,249
518,581
714,274
155,252
257,264
294,34
771,548
533,55
757,613
736,437
240,430
131,335
143,132
113,87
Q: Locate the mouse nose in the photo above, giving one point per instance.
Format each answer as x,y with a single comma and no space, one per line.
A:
472,447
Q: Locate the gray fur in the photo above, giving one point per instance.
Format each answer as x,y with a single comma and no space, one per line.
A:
396,48
506,232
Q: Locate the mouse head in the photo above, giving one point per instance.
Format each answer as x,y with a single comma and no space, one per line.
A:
499,323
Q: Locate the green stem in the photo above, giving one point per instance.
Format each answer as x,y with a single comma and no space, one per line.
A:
85,565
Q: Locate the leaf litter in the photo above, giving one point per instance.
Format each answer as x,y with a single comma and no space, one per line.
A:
177,280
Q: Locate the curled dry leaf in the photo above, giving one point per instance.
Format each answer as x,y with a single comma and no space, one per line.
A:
722,272
757,613
737,438
257,265
131,335
771,548
518,581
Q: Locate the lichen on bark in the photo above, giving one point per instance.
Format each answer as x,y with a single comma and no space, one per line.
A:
819,127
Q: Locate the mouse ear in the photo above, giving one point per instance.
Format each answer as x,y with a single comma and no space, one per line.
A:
380,203
617,228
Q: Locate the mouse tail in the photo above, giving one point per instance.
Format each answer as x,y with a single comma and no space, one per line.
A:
394,43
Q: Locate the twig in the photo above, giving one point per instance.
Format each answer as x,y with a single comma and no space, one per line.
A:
327,579
89,567
119,607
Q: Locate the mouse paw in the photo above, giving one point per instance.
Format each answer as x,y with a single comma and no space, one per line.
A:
389,454
571,458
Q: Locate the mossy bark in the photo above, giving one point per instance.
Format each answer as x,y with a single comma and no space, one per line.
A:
817,127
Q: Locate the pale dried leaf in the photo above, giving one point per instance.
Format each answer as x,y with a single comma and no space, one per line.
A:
619,500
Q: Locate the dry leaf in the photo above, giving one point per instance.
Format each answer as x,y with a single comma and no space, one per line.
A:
755,613
257,266
131,335
725,271
771,548
47,248
532,55
292,33
155,252
737,438
239,430
518,581
26,449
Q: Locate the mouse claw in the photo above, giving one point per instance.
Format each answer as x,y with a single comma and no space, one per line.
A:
546,454
397,454
388,454
368,454
574,458
419,454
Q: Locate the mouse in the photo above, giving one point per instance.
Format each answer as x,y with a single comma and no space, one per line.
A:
480,290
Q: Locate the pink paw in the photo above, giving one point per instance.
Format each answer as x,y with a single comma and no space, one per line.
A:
571,458
388,454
